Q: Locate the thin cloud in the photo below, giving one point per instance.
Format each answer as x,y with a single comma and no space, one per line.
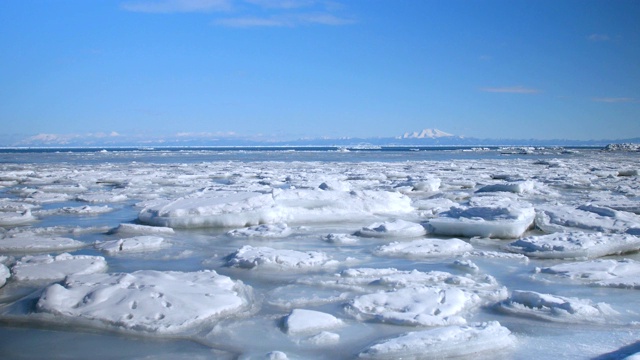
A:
511,90
598,37
286,20
177,6
615,100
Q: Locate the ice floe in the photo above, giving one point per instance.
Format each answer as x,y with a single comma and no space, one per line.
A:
37,243
16,218
5,274
506,221
366,280
146,300
265,257
76,210
265,230
586,218
133,244
302,321
555,308
395,228
517,186
47,267
424,306
623,273
340,239
213,209
138,229
444,342
425,248
575,245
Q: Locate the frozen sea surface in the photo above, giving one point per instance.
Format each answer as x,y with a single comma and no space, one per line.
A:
312,253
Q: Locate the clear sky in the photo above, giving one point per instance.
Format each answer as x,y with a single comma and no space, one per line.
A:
286,69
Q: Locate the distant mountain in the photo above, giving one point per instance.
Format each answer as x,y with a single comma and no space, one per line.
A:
426,134
425,137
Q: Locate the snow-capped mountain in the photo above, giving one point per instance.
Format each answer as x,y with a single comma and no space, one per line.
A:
426,134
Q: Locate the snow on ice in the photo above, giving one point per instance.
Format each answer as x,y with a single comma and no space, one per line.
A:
133,244
36,243
265,257
425,248
47,267
444,342
146,300
555,308
384,255
575,245
302,321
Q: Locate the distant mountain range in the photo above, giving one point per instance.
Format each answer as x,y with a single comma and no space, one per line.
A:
425,137
426,134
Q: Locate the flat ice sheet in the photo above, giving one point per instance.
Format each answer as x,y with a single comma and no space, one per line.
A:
575,245
146,301
496,220
424,306
395,228
556,308
623,273
444,342
216,209
37,243
282,259
47,267
425,248
134,244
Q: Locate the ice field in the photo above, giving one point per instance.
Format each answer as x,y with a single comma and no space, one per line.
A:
320,253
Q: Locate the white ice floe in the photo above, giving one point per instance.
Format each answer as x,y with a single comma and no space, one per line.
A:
421,305
335,185
137,229
369,280
323,338
420,185
555,308
41,197
5,274
509,221
340,239
265,230
226,209
47,267
518,187
302,321
425,248
395,228
146,301
575,245
434,206
76,210
445,342
37,243
250,257
102,197
63,188
16,218
466,266
601,272
133,244
497,255
586,217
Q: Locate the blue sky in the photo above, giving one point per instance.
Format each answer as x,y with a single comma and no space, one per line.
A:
287,69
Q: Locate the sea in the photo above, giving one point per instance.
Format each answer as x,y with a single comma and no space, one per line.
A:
96,195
